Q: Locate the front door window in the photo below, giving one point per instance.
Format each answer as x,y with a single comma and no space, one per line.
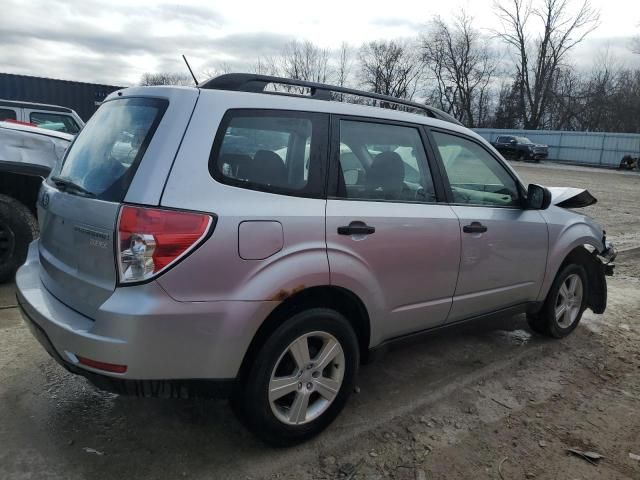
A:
475,177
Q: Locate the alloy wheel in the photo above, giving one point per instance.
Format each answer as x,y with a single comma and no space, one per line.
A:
569,301
306,378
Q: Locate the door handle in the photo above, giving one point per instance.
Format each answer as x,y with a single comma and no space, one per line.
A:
474,227
356,228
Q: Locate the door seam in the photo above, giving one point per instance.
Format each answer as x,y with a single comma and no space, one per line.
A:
460,256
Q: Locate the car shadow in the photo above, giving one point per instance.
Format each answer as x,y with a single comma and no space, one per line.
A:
101,435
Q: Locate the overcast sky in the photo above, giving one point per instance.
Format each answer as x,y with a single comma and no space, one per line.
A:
115,41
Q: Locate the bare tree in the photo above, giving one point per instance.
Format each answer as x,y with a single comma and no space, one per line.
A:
166,78
462,65
305,61
567,100
635,43
266,66
345,61
390,68
604,99
217,69
611,99
508,107
539,59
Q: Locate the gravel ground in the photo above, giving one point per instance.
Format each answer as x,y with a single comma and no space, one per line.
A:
489,400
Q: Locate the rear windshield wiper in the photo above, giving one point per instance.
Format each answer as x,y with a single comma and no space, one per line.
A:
67,185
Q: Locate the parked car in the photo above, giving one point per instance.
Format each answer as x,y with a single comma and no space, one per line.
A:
520,148
50,117
193,267
629,162
27,155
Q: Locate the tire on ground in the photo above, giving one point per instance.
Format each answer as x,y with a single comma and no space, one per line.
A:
251,400
18,228
544,322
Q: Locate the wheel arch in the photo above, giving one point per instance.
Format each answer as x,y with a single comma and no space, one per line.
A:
585,255
337,298
22,186
567,232
596,282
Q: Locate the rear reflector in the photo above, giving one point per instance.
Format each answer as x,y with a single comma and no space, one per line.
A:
107,367
152,239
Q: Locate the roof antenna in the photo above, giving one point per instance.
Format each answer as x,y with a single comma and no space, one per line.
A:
190,71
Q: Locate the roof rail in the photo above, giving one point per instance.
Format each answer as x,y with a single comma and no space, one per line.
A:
248,82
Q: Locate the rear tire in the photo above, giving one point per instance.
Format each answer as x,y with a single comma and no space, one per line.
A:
18,228
289,396
564,305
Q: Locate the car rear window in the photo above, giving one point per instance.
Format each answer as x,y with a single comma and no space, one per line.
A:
103,158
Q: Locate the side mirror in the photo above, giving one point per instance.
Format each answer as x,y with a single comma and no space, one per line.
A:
512,141
538,197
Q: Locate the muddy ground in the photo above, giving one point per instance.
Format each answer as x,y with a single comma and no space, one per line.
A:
488,400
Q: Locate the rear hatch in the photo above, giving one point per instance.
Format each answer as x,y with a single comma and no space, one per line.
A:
80,201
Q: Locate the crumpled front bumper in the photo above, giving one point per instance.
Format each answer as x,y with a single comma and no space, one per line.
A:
607,256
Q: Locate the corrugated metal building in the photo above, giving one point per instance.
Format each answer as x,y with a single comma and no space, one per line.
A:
582,148
83,97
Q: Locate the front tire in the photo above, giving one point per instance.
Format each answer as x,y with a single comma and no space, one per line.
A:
301,377
564,305
18,228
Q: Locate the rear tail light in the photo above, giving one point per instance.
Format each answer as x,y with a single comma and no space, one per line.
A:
152,239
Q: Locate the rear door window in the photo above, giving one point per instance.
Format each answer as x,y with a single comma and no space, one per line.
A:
272,151
103,158
54,121
383,162
7,114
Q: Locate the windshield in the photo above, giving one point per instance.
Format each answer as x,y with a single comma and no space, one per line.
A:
104,156
523,140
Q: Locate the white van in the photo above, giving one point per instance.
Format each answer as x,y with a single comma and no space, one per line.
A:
51,117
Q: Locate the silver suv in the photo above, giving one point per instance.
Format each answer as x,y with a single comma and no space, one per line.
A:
256,236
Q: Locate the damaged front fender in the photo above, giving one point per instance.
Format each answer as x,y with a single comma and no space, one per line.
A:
576,238
597,291
598,265
596,270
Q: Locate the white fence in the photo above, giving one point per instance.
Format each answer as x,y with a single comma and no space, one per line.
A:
583,148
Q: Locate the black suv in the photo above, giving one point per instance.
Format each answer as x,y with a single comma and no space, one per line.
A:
520,148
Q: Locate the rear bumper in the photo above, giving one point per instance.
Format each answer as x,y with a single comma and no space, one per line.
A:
156,337
140,388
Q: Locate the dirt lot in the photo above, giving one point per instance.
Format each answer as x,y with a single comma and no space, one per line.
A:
485,401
